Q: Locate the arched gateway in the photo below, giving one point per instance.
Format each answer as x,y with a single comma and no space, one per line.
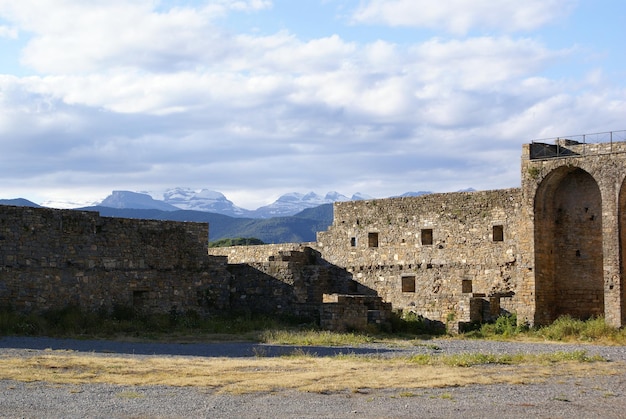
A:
568,245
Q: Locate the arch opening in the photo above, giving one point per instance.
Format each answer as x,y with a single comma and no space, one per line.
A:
568,246
622,248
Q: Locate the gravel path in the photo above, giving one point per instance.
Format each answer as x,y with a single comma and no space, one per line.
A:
587,397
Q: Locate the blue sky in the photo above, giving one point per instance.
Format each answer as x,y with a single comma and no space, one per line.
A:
257,98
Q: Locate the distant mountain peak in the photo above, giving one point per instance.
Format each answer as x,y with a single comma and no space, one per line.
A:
19,202
203,200
294,202
361,197
135,200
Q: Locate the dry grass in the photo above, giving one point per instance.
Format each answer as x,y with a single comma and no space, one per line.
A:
302,372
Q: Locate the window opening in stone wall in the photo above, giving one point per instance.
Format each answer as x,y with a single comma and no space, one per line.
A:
372,239
353,241
427,236
466,286
408,283
498,233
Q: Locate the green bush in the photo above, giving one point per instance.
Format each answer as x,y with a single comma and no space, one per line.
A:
415,324
504,327
71,321
569,328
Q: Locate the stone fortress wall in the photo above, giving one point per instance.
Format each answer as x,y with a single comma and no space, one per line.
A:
451,257
53,258
555,246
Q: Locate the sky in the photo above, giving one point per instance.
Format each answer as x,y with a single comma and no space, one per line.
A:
258,98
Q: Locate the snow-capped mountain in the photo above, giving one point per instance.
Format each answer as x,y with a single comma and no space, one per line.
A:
136,200
212,201
294,202
203,200
361,197
207,200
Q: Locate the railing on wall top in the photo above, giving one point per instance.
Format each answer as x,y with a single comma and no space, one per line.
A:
549,148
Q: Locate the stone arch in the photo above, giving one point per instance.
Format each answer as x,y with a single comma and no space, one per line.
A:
621,213
568,246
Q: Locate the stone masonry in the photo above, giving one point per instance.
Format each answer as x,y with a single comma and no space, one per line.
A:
53,258
555,246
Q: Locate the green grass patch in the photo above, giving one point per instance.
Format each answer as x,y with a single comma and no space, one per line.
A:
564,329
123,322
312,337
474,359
593,330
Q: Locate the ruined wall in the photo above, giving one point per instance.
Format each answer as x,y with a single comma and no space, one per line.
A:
556,246
260,253
290,282
432,254
576,195
51,258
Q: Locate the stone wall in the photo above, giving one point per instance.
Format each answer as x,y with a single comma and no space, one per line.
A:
432,254
51,258
577,199
556,246
260,253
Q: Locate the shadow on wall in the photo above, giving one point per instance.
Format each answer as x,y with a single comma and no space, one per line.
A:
295,283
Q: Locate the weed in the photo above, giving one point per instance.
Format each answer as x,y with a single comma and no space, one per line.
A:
259,351
312,337
534,172
564,328
300,353
414,324
71,321
567,328
473,359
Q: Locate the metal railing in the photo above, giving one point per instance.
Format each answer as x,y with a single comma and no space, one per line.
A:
573,145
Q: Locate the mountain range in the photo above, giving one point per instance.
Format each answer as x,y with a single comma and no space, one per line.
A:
293,217
212,201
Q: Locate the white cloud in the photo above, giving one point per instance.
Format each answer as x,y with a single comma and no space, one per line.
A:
461,16
8,32
79,37
132,96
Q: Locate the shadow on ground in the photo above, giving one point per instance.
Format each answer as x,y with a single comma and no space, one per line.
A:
226,349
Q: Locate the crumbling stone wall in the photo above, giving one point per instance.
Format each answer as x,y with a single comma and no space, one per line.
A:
259,253
555,246
53,258
433,254
50,259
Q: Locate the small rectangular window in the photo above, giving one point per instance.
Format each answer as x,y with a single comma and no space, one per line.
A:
498,233
408,283
353,242
427,236
372,239
466,286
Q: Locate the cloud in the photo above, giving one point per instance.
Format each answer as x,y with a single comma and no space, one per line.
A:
8,32
140,96
460,16
69,36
